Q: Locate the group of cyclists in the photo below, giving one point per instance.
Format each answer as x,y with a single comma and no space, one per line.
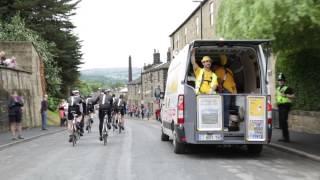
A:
81,111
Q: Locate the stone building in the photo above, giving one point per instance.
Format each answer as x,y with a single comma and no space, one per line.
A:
200,24
153,77
134,92
27,78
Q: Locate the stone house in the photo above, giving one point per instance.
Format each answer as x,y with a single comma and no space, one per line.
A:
134,92
153,78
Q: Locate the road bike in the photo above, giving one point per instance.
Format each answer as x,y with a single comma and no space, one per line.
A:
75,129
105,129
89,123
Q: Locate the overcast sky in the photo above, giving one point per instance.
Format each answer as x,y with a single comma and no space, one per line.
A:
113,30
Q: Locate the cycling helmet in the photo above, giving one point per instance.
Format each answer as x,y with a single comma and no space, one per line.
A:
106,91
281,77
75,92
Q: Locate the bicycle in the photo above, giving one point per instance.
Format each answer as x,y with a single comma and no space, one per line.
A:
89,125
114,121
75,130
105,130
120,123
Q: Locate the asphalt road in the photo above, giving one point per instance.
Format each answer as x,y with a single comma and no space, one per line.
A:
140,155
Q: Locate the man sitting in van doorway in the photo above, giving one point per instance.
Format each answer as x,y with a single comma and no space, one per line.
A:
226,85
206,79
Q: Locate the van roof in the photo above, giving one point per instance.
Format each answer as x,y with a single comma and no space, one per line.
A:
230,42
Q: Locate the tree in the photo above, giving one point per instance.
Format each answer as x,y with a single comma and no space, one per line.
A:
51,19
294,27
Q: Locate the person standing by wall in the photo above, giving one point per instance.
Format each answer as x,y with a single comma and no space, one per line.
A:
43,110
15,115
284,96
62,115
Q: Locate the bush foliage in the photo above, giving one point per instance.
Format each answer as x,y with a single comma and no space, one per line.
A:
294,27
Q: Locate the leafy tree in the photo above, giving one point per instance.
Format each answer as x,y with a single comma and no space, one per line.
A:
50,19
295,28
16,31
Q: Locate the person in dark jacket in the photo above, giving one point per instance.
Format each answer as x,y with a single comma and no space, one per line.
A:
15,105
285,96
105,106
44,113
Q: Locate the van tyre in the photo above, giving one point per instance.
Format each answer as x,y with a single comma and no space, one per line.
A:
164,137
255,149
178,147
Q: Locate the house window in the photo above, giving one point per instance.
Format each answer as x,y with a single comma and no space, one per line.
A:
186,35
177,42
158,75
211,14
197,26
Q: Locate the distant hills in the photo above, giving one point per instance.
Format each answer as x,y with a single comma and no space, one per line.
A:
108,75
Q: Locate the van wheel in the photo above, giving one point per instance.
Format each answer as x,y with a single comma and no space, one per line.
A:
164,137
255,149
178,147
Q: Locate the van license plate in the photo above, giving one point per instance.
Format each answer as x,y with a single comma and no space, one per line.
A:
210,137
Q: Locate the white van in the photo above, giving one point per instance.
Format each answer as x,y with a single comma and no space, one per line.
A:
188,118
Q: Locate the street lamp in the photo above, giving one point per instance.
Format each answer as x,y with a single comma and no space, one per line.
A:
200,16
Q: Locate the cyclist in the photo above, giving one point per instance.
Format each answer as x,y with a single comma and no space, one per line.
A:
89,110
121,106
105,105
74,107
114,111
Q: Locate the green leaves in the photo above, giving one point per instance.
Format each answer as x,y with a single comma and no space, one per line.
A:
16,31
50,19
294,26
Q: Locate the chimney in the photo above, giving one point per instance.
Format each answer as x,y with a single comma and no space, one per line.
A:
168,55
156,57
130,70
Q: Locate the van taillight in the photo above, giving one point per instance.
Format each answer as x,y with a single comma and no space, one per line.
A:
181,109
269,116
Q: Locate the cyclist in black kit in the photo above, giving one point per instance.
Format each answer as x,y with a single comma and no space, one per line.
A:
105,105
74,108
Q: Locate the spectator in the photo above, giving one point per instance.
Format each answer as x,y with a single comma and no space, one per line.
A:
44,109
62,109
15,114
2,58
11,63
147,113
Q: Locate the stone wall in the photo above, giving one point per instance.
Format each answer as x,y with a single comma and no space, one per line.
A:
27,79
305,121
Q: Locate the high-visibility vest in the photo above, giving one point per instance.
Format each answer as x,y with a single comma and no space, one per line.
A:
282,99
199,81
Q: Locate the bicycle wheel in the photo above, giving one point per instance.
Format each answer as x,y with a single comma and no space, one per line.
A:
74,139
89,126
105,137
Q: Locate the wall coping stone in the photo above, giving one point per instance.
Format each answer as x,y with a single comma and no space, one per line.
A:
306,113
15,69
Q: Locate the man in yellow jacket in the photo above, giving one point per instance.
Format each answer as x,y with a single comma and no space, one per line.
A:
226,86
206,79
